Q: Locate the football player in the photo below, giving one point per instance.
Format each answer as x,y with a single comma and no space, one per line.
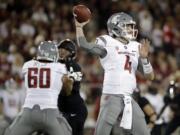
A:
11,100
3,122
120,56
71,104
44,77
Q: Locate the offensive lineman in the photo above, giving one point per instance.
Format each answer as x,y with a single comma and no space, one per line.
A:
44,77
120,55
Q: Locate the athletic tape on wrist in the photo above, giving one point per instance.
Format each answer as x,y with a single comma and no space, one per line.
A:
144,61
147,68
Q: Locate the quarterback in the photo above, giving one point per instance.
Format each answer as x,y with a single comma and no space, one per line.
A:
120,55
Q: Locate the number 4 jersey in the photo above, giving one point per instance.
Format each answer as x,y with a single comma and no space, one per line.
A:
43,82
120,65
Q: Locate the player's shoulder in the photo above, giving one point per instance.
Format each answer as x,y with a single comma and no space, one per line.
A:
103,39
76,66
29,63
57,65
134,43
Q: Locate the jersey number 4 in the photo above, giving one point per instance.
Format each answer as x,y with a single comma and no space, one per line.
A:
127,65
39,78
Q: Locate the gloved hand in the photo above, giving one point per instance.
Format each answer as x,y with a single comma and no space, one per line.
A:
76,76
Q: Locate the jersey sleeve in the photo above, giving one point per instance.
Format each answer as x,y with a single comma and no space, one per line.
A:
101,41
143,102
61,68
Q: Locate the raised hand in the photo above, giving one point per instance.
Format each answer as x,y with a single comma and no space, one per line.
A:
144,48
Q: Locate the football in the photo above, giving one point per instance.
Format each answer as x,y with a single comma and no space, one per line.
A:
81,13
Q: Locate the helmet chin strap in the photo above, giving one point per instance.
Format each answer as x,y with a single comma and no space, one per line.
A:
121,39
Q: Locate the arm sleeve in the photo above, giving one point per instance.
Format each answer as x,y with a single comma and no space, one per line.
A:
143,102
93,48
140,68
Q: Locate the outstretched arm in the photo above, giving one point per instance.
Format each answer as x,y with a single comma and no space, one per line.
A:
147,67
82,42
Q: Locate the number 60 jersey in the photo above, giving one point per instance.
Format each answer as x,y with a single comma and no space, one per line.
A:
43,81
120,65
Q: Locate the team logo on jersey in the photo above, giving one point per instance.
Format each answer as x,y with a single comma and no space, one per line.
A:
117,49
125,47
133,51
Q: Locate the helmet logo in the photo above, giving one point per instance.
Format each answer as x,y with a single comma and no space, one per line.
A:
115,19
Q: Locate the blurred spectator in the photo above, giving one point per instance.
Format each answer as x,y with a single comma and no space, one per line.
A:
17,64
173,100
145,23
157,37
11,100
3,122
168,32
27,29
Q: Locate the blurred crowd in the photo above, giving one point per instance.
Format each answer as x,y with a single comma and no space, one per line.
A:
25,23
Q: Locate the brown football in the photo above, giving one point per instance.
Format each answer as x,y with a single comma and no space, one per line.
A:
81,13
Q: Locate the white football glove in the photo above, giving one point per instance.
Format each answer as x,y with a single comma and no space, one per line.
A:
76,76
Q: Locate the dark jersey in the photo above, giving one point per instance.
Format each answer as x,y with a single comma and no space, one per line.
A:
142,101
72,103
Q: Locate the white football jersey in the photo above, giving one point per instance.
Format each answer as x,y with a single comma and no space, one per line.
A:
11,101
120,65
43,82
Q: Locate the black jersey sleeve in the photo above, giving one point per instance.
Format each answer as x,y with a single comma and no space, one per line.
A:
143,102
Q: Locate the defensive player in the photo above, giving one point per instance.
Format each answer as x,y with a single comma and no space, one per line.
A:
44,77
120,56
71,104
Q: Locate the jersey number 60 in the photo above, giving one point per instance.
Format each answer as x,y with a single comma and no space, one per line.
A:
39,77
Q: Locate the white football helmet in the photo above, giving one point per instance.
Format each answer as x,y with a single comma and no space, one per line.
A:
10,85
122,25
47,50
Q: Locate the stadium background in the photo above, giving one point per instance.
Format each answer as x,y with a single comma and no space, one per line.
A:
24,23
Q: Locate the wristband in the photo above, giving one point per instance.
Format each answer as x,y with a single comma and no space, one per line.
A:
144,61
147,67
